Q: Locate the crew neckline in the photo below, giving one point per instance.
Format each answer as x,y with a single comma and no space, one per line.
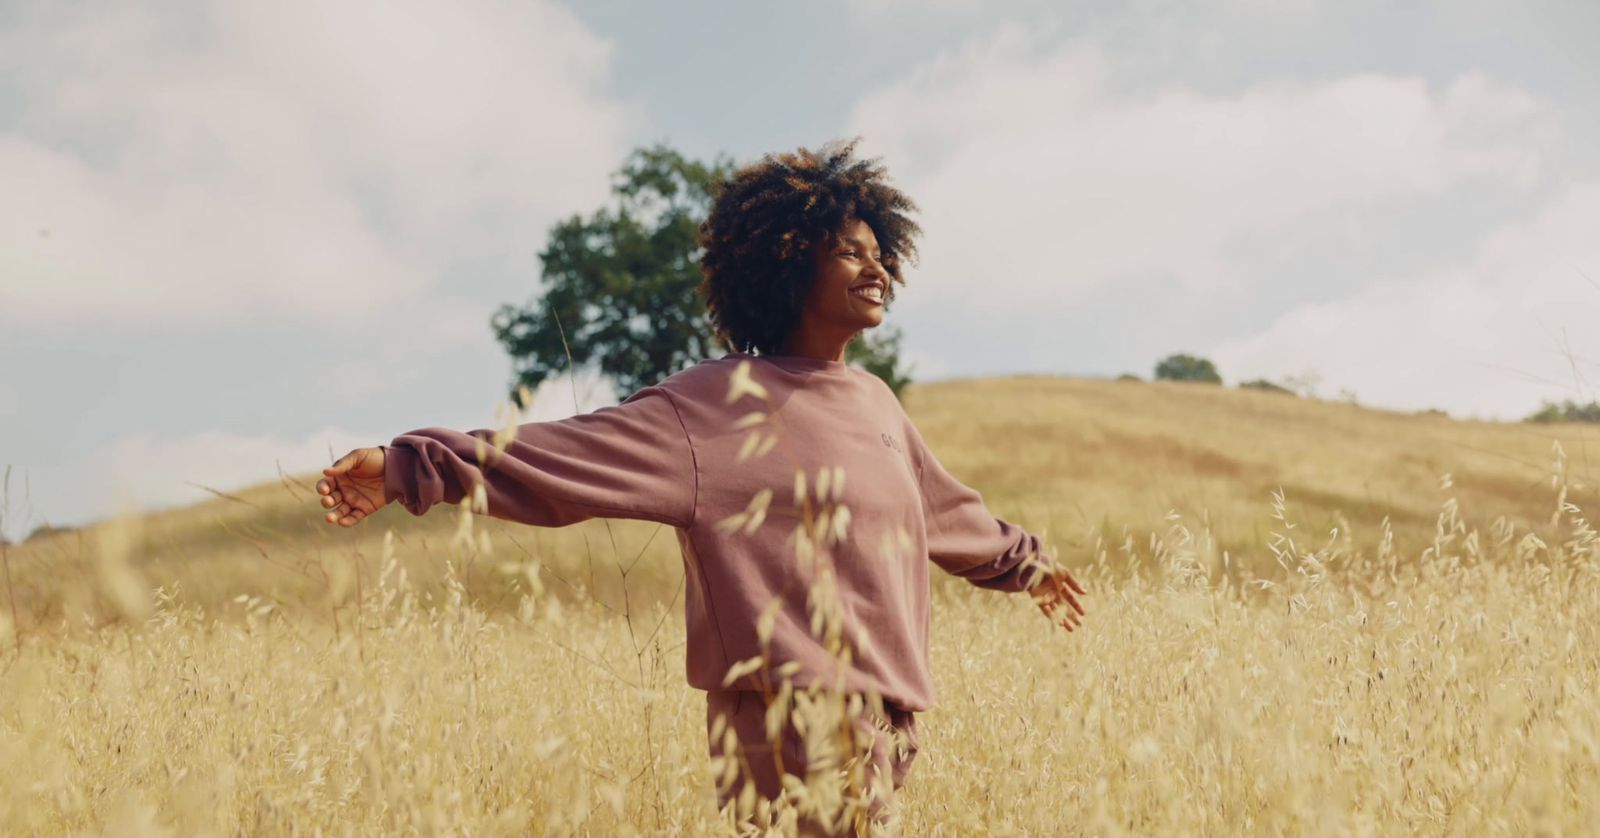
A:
798,363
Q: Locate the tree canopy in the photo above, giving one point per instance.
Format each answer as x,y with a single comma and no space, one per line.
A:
618,289
1182,367
1567,411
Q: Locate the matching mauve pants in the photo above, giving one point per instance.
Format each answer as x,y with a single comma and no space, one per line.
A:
746,713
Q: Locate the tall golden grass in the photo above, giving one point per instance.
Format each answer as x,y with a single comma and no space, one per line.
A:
1305,618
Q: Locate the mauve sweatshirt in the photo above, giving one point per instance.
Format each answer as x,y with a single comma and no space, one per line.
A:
670,454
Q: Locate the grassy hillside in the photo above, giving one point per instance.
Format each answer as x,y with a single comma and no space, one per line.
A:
1243,668
1079,454
1086,462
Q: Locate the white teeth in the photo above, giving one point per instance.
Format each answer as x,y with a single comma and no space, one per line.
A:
872,293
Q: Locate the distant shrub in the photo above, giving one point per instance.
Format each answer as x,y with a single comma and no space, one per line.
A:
1187,368
1268,386
46,530
1128,376
1567,411
1434,411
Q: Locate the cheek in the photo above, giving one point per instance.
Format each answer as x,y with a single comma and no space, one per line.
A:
832,286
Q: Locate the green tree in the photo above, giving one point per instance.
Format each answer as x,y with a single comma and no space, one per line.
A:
1566,411
1187,368
618,290
877,350
1264,384
619,285
46,530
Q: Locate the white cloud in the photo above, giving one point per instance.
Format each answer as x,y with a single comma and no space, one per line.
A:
141,471
560,396
1490,337
145,471
175,164
1038,180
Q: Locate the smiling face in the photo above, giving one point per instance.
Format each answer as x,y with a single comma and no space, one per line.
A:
851,287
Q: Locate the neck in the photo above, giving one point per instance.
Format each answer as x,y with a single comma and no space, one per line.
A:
807,344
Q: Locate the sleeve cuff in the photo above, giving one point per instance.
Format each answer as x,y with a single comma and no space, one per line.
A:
398,464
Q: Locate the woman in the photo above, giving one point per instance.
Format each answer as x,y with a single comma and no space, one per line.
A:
784,471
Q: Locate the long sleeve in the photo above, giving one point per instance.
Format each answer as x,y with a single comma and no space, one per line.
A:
633,460
964,538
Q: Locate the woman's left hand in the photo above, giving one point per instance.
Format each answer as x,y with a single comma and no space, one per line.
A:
1056,594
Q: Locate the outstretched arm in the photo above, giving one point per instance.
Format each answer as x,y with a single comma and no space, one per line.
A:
967,540
632,460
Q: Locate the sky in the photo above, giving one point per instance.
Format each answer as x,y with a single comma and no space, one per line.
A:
242,236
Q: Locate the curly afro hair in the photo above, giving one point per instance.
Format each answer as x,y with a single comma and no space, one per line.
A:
766,220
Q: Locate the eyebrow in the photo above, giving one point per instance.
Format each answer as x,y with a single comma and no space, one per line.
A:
855,241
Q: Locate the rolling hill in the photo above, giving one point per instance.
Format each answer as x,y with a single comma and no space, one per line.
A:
1088,463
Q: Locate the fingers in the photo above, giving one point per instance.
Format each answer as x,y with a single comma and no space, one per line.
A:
1072,599
1052,598
347,521
1064,585
343,493
345,516
349,504
1066,619
1066,591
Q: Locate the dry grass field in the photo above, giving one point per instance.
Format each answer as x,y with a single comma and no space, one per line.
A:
1305,618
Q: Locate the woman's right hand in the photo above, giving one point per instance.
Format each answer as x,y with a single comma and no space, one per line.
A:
352,488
